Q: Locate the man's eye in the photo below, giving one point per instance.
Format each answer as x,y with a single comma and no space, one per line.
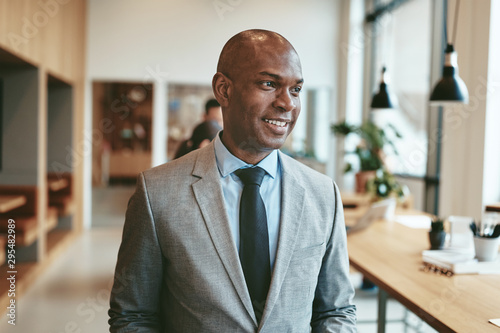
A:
297,90
269,84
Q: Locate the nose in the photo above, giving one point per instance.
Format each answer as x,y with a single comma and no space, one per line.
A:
285,101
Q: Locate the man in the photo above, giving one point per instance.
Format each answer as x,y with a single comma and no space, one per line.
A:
201,136
204,132
185,265
213,112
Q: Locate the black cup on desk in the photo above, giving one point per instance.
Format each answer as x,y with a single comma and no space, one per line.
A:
437,239
437,235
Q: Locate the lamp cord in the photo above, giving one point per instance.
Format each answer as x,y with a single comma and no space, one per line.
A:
457,6
445,25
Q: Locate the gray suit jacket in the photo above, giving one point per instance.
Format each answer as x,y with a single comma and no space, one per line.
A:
178,268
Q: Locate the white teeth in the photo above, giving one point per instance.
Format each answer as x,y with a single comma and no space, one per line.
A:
276,122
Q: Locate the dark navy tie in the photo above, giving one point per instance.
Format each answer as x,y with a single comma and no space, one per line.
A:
254,238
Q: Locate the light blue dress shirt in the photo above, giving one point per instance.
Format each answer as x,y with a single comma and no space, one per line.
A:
232,187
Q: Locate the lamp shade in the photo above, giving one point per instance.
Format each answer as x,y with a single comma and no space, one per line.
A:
383,99
451,88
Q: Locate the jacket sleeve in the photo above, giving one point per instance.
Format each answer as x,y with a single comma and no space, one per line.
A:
333,310
135,296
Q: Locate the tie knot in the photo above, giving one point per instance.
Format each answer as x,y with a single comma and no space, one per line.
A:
251,176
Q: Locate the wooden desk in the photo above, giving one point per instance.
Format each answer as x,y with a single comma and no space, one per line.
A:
389,254
10,202
354,201
493,207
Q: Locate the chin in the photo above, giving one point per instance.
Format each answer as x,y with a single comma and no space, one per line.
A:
274,143
262,143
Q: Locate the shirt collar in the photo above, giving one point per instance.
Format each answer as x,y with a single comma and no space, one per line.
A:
227,163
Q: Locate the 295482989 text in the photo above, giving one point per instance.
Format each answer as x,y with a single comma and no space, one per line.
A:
11,273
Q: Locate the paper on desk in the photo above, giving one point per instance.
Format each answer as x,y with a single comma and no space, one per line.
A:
460,261
414,221
495,322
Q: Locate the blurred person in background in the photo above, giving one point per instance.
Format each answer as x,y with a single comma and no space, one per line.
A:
202,135
204,132
213,112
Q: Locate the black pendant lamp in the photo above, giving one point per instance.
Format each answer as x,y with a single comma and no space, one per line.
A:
451,88
383,99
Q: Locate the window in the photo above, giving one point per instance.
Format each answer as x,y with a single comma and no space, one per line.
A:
403,45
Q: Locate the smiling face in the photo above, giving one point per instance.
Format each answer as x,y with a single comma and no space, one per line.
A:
259,94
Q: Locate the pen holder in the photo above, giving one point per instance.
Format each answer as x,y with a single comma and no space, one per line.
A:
486,248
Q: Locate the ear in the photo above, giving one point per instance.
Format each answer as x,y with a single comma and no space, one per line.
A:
222,87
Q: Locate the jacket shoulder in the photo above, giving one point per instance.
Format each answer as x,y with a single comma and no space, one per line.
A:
303,172
178,168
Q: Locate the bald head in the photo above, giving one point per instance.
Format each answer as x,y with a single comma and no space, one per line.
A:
258,81
239,51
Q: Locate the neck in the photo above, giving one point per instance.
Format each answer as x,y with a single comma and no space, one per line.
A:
252,155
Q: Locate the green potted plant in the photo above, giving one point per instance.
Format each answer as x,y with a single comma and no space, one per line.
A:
385,185
437,235
370,150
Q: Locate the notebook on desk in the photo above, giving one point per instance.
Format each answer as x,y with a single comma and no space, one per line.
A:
459,261
379,210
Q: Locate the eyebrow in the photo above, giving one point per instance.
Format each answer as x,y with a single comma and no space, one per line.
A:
277,77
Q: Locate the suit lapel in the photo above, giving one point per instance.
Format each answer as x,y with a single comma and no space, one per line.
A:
292,204
208,193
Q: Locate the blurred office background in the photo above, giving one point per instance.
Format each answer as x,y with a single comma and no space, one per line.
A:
92,92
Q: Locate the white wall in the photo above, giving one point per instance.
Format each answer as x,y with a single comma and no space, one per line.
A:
127,39
491,181
469,172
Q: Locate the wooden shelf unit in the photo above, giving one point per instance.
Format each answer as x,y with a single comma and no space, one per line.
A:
41,126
